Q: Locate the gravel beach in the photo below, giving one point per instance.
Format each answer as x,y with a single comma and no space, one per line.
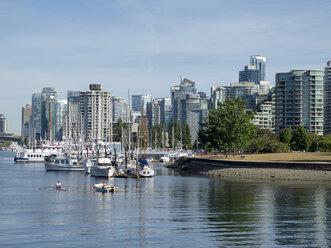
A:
247,171
259,173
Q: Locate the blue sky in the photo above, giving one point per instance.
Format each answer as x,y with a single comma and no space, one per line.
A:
147,45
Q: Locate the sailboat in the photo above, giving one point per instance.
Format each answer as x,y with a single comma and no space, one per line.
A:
145,170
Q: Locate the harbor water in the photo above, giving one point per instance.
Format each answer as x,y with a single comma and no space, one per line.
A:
169,210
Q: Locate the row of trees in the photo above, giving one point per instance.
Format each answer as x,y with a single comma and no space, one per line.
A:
229,129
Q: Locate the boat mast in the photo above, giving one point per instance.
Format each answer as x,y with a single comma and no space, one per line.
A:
141,127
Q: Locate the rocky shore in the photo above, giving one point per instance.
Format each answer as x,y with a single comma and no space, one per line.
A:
249,170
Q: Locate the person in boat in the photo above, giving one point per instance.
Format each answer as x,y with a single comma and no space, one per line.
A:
104,185
58,185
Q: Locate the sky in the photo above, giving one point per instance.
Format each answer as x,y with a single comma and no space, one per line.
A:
147,45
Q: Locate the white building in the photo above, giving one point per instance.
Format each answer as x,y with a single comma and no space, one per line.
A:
96,113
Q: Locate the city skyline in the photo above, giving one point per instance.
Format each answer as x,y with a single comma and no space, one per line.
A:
141,45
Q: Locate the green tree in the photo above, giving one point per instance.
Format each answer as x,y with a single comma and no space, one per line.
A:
186,136
301,140
285,135
228,128
323,144
118,130
264,140
174,127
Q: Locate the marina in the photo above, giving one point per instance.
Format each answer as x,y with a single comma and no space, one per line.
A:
168,210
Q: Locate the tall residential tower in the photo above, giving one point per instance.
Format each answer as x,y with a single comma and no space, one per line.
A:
299,100
327,98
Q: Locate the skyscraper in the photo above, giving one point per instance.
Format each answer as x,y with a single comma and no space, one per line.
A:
137,100
259,62
327,98
73,123
218,94
3,124
61,119
38,107
120,109
255,72
96,113
249,74
186,106
299,100
26,120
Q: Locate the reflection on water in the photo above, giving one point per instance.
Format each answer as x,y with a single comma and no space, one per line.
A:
170,210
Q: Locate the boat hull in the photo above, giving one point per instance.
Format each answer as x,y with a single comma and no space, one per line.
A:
57,167
146,172
106,189
103,171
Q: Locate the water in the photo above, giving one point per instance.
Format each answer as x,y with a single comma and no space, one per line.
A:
170,210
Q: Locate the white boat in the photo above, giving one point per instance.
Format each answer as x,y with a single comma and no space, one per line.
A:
35,155
146,172
103,168
62,163
104,189
164,159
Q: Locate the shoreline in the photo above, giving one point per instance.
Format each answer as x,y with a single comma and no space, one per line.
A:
274,170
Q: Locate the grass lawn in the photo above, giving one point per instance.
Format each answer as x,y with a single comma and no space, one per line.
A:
291,156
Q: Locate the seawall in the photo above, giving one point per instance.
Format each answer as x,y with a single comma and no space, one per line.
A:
254,169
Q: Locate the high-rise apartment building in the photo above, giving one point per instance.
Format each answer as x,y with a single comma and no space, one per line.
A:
3,124
264,117
299,100
327,98
26,120
96,113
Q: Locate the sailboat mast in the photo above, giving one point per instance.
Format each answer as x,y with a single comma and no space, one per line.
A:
141,126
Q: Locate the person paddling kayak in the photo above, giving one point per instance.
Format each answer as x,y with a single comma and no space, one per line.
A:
58,185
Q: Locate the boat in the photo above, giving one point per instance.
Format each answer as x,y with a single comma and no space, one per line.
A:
164,158
62,163
144,168
104,189
146,172
102,168
128,170
36,155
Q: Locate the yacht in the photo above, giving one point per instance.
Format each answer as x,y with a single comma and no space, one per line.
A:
62,163
103,168
164,159
36,155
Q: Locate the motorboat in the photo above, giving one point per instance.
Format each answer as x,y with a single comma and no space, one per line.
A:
62,163
164,158
104,188
103,168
